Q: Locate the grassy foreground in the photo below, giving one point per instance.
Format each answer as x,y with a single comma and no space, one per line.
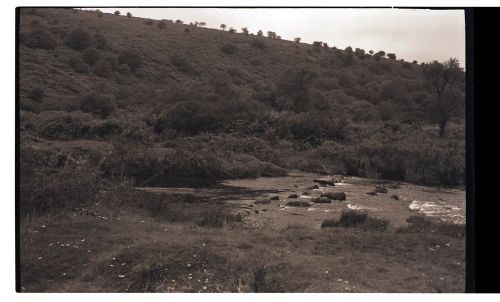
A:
104,249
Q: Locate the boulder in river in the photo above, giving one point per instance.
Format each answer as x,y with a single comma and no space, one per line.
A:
298,203
306,193
324,182
334,195
322,199
275,197
395,197
380,189
293,196
372,193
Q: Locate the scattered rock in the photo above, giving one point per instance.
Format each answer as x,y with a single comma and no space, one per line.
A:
380,189
298,203
334,195
275,197
372,193
322,199
395,197
293,196
325,182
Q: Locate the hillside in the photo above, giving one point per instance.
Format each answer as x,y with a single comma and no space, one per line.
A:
201,102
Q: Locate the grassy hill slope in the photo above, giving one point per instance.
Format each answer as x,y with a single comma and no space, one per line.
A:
128,100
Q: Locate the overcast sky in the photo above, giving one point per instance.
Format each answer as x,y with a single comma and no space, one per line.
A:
412,34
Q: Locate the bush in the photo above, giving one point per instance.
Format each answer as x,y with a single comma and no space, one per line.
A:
100,105
79,66
103,69
132,59
162,24
36,94
41,38
91,55
391,56
192,117
182,63
407,65
258,43
229,49
149,22
45,191
100,41
124,69
78,39
60,125
347,59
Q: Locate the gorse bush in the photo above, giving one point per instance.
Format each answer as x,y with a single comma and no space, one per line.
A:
36,94
182,63
78,39
100,41
46,191
100,105
258,43
192,117
41,38
103,69
229,49
91,55
60,125
132,59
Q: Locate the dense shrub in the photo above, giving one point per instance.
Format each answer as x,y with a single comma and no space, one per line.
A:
293,89
347,59
79,66
124,69
182,63
46,191
78,39
258,43
229,49
41,38
36,94
100,105
407,65
91,55
192,117
60,125
132,59
310,127
103,69
100,41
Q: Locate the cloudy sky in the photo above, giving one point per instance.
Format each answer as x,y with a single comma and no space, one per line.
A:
412,34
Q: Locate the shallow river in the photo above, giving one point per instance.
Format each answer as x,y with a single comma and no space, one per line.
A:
242,195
